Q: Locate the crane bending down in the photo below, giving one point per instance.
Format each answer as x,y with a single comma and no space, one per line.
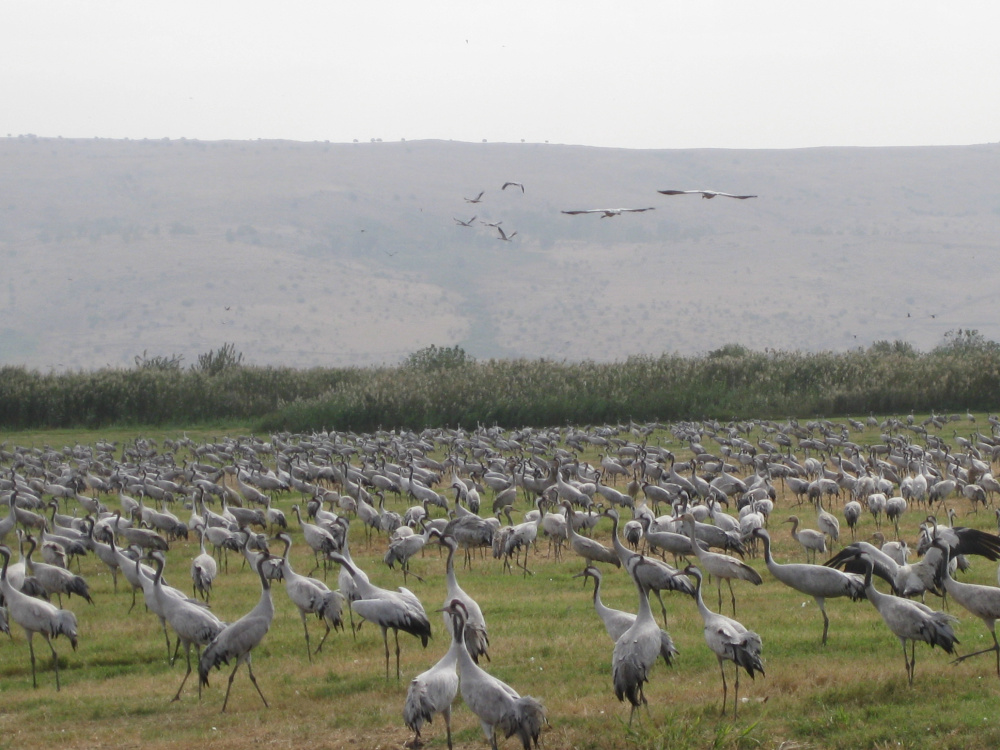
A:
398,610
238,640
36,616
496,703
729,640
720,566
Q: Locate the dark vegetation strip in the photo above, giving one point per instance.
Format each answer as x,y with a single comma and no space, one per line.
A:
443,387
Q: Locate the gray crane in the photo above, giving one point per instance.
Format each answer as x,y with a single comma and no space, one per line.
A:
589,549
194,624
477,640
204,569
981,601
812,541
54,579
655,575
311,597
432,692
723,567
637,649
910,621
237,640
496,703
817,581
705,194
36,616
617,621
729,640
395,610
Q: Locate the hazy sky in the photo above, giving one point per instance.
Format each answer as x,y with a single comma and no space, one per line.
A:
661,74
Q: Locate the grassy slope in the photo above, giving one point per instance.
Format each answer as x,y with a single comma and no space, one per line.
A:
546,641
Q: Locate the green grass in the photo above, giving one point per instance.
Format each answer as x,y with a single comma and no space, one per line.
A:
546,641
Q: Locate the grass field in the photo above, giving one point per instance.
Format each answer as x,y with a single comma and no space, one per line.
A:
546,641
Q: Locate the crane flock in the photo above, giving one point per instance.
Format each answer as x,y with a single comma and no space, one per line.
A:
341,477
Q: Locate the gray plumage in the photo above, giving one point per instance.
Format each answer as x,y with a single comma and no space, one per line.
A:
477,640
432,692
817,581
496,703
311,597
37,616
729,641
637,649
910,621
239,639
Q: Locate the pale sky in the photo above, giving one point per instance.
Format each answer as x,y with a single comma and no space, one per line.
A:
664,74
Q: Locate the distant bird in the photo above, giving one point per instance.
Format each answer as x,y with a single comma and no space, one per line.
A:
237,640
910,621
36,616
477,199
589,549
504,236
396,610
465,223
729,640
817,581
705,194
496,703
493,224
203,570
512,184
811,540
609,212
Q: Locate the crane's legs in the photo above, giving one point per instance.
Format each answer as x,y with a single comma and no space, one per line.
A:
725,690
254,681
995,647
385,640
31,650
663,607
187,653
305,627
395,634
826,620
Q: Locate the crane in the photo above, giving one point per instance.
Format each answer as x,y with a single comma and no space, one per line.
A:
729,640
723,567
398,610
817,581
608,213
432,692
637,649
705,194
36,616
203,569
981,601
237,640
311,596
193,623
811,540
617,622
54,579
477,640
910,621
496,703
587,548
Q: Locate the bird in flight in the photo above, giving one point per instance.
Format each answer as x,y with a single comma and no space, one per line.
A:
609,212
477,199
464,223
505,237
513,184
705,193
493,224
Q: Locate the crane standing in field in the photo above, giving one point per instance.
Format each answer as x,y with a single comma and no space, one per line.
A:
720,566
237,640
729,640
496,703
311,596
910,621
817,581
395,610
432,692
637,649
477,640
36,616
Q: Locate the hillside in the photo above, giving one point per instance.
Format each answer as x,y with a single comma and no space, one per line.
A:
337,254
